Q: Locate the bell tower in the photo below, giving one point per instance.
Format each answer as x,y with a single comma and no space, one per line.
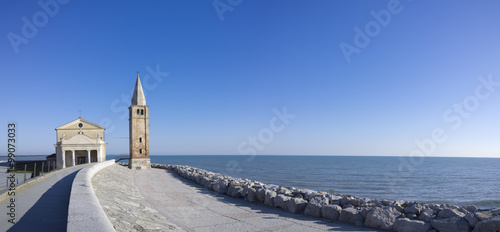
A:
139,130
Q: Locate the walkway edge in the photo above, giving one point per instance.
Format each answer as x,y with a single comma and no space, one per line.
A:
85,213
31,181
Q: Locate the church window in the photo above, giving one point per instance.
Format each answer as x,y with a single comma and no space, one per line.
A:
138,111
140,140
142,112
140,151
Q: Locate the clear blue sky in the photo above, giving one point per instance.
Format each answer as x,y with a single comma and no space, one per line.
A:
223,73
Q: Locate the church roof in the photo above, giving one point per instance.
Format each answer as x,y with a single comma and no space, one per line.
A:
80,120
138,97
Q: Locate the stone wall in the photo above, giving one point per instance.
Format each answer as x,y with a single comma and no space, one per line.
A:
139,164
401,216
85,213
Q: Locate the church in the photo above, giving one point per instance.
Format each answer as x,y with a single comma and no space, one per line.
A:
79,142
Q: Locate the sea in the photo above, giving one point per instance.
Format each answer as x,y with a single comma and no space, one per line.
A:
440,180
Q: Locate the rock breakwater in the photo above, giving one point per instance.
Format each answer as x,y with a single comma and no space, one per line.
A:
400,216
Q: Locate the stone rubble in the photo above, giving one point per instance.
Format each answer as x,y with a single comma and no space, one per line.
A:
400,216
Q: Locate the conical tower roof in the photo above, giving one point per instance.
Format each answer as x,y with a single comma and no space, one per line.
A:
138,97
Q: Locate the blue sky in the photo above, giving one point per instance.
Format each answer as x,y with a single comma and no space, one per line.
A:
419,77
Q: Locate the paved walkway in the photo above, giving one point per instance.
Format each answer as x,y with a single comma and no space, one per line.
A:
124,205
194,208
42,206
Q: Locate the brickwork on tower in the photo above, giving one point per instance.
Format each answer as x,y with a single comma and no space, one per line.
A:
139,130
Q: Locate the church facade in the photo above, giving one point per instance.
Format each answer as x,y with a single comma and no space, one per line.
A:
139,130
79,142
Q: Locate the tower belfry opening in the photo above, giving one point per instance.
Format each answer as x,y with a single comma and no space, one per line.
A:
139,130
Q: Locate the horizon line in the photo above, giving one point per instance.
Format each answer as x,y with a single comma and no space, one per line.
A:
437,156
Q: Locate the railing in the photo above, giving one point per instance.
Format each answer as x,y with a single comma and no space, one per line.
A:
120,159
32,170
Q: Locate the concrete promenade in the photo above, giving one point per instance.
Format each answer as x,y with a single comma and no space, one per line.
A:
193,208
125,207
41,206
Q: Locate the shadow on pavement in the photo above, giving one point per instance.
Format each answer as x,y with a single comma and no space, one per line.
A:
50,212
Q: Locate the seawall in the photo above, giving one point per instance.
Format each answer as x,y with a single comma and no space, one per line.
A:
401,216
85,213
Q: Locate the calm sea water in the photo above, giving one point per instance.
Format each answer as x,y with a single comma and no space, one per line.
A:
459,181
